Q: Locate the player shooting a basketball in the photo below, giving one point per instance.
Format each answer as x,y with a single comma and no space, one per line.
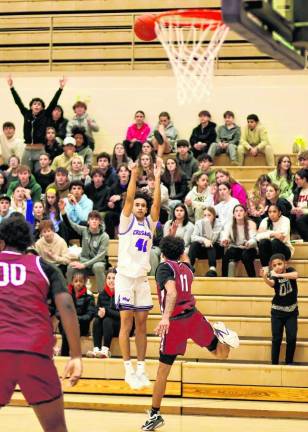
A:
132,290
26,334
180,321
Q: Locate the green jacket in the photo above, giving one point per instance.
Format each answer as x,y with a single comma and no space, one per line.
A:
232,135
255,138
35,188
285,187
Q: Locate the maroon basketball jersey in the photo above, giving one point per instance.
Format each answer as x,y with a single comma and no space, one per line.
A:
25,324
183,277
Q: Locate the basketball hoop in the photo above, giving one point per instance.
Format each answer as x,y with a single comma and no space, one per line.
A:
192,39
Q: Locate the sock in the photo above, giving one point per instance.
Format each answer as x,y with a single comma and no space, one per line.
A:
140,367
212,268
128,366
154,411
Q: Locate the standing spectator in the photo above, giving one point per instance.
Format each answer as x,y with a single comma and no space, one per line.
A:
255,140
203,135
58,122
176,182
64,159
27,181
82,147
256,201
274,236
97,191
284,310
9,144
94,244
185,158
85,309
82,119
136,135
119,156
78,171
164,136
205,241
145,168
272,197
205,162
11,172
199,197
45,175
78,205
61,183
237,190
224,209
104,163
52,147
228,139
239,237
106,324
282,176
35,123
179,225
300,203
5,210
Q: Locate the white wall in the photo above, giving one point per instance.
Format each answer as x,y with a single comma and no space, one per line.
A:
280,101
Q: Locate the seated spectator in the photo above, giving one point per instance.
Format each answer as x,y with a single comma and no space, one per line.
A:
58,122
176,183
64,160
199,197
282,176
94,244
82,119
38,216
237,190
119,156
52,147
256,201
205,162
224,209
85,309
61,183
274,236
164,136
52,211
303,159
147,148
45,175
228,139
185,158
5,210
9,144
203,135
11,172
27,181
35,123
255,140
205,241
104,163
136,135
82,148
273,197
179,225
78,171
145,168
106,324
51,247
97,191
164,197
78,205
3,183
21,202
300,203
239,238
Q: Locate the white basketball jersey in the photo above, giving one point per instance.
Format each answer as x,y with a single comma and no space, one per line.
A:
135,242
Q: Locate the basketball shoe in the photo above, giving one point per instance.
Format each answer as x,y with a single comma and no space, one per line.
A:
144,380
132,380
154,422
226,336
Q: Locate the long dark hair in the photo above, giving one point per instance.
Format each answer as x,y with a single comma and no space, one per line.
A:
234,224
114,161
56,205
226,173
303,174
166,177
186,219
289,172
269,221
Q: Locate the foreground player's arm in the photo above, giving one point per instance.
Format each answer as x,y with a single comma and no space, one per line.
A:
267,280
163,326
292,274
131,191
155,209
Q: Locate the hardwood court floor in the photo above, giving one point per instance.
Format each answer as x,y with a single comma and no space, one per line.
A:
23,420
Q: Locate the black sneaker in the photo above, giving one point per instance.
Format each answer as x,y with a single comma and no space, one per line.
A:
211,273
158,137
153,422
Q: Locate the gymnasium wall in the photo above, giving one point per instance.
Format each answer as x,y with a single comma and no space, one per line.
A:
280,102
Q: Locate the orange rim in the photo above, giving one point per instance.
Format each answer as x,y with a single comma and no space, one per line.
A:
207,18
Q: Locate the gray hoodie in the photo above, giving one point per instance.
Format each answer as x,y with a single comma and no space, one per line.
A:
82,122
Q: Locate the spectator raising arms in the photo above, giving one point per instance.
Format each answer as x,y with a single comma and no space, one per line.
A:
300,202
176,182
256,202
82,119
237,190
282,176
203,135
179,225
35,123
239,237
199,197
136,135
224,209
205,241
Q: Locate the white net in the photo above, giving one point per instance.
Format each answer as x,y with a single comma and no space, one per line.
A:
192,50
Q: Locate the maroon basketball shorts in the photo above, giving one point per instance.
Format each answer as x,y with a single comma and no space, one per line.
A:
36,376
193,326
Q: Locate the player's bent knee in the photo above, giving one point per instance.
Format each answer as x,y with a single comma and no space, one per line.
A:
167,359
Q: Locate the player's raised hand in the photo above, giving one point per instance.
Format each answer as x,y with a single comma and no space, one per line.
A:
61,205
62,82
9,80
158,167
133,166
163,327
73,371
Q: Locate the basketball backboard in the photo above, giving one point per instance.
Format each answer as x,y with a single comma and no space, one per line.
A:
278,28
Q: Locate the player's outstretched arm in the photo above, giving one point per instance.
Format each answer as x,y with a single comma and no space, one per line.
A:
163,326
131,190
155,209
266,279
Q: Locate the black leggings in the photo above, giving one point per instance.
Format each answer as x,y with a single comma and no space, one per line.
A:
198,250
106,328
247,256
301,224
289,321
268,247
84,331
134,151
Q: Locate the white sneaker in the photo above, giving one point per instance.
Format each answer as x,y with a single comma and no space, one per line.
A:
226,336
103,353
133,381
145,382
92,354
